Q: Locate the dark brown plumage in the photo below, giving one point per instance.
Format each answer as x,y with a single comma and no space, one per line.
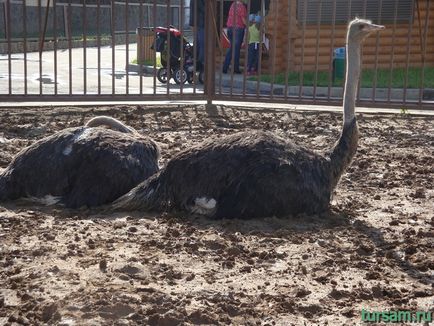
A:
84,166
256,174
249,174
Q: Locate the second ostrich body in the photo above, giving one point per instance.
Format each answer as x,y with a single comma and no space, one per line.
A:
83,166
257,174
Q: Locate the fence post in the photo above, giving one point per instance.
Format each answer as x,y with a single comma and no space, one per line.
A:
66,22
210,55
6,21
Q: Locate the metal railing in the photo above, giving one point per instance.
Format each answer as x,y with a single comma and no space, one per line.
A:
71,50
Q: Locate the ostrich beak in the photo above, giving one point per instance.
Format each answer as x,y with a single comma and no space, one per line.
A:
373,28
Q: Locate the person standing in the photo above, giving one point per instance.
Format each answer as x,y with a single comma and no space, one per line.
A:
197,19
254,43
236,24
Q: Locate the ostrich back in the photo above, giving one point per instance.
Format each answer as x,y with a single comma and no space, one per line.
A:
84,166
248,174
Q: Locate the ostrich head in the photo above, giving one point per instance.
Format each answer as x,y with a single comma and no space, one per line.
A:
359,29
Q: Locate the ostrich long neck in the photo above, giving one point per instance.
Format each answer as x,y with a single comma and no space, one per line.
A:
346,146
351,80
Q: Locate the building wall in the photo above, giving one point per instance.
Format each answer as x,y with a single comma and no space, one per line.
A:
397,45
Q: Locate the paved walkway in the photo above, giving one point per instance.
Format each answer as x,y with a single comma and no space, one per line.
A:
78,71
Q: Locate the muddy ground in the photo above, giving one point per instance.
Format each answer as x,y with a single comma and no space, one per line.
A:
373,250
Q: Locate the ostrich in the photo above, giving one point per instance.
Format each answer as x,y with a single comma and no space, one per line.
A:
83,166
257,174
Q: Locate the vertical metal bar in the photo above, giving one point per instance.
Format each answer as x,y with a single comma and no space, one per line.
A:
262,28
8,35
112,25
154,19
169,48
246,51
195,43
377,43
127,41
25,44
332,45
65,19
273,66
98,38
69,31
392,52
40,49
318,23
419,25
409,39
222,52
44,32
425,40
233,38
142,40
210,31
288,50
84,47
303,34
55,45
181,28
359,85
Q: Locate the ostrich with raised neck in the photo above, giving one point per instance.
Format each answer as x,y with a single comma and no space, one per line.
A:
257,174
83,166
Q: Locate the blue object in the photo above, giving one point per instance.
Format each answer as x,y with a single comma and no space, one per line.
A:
237,34
258,19
339,63
339,53
251,17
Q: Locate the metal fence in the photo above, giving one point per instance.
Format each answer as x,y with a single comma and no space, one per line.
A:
52,50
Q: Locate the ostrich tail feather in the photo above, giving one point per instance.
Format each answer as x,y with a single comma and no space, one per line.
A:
146,196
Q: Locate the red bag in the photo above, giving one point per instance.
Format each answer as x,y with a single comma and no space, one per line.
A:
226,44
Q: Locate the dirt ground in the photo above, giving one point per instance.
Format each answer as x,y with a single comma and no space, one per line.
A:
373,251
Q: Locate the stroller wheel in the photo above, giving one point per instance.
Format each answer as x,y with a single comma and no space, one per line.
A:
162,75
180,76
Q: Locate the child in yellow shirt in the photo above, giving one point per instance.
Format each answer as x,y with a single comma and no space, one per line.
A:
254,43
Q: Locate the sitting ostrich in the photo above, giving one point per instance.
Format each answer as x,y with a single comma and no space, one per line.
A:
257,174
84,166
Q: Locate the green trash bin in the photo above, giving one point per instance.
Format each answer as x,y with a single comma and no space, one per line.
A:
339,63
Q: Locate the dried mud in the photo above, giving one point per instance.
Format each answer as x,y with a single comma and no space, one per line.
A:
373,250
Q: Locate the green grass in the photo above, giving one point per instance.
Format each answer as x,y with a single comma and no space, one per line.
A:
367,78
149,62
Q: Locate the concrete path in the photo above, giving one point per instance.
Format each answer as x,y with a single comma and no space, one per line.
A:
109,78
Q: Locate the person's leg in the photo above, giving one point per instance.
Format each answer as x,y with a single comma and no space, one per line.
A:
239,36
251,59
201,47
229,52
255,56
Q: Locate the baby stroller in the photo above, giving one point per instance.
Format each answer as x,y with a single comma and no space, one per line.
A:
177,41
